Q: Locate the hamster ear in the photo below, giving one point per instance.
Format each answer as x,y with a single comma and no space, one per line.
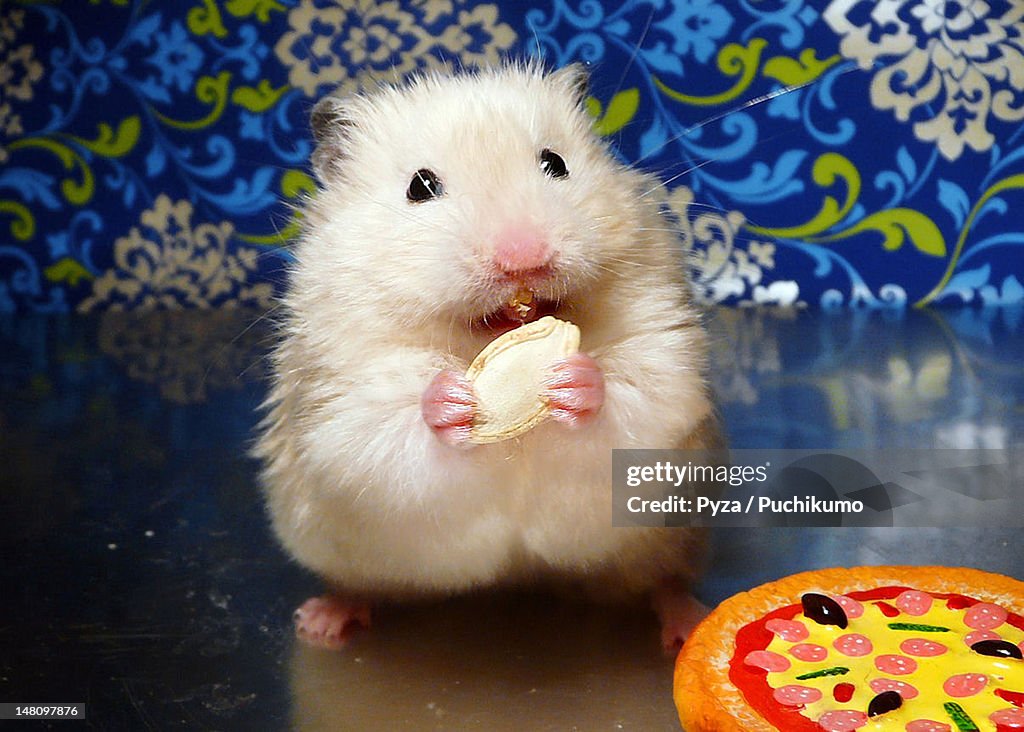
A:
331,123
575,79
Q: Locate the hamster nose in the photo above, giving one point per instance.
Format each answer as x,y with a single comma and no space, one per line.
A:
520,249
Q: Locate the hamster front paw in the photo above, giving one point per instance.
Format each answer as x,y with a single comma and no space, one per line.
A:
449,407
575,389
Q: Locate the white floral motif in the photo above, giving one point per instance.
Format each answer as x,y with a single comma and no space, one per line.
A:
19,73
10,125
168,262
949,64
10,24
722,268
352,45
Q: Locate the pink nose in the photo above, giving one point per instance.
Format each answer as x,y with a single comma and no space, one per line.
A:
518,249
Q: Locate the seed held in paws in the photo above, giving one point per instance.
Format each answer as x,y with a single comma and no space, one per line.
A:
508,377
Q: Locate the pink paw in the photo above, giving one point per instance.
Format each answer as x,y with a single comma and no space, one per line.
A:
328,621
575,389
449,407
679,613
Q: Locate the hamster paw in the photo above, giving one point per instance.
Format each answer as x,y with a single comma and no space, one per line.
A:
575,389
328,621
679,613
449,407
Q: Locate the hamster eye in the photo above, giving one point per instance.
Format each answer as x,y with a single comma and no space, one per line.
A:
552,164
424,185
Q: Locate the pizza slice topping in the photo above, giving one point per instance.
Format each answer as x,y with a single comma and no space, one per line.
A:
885,659
997,648
887,701
823,610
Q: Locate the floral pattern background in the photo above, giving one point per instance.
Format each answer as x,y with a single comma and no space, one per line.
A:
834,154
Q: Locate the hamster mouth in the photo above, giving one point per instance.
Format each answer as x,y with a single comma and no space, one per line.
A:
523,307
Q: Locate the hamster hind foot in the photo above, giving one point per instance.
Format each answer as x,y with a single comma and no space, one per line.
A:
679,613
328,621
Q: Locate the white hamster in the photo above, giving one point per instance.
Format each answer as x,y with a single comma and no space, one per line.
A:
439,200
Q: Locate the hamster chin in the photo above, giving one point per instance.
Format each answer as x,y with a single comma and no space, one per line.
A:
450,207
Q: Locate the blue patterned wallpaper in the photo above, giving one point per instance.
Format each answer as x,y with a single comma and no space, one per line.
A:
833,154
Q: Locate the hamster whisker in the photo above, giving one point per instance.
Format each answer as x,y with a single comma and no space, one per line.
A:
707,207
767,97
677,176
403,211
611,271
636,50
409,215
670,229
620,260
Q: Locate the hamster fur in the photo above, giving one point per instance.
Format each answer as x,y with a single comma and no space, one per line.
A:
385,294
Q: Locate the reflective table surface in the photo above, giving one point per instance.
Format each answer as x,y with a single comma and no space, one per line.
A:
140,577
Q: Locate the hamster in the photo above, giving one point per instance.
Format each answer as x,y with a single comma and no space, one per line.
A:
438,201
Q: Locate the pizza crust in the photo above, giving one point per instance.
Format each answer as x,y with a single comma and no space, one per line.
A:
707,700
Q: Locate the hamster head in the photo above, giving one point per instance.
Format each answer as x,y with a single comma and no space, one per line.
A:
445,197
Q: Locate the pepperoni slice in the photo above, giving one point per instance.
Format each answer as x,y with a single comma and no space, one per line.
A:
853,644
961,685
891,663
1012,718
922,647
900,687
985,616
842,720
810,652
914,602
768,660
795,695
851,607
788,630
927,725
976,636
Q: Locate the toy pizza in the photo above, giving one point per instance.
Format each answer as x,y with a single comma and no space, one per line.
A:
914,649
